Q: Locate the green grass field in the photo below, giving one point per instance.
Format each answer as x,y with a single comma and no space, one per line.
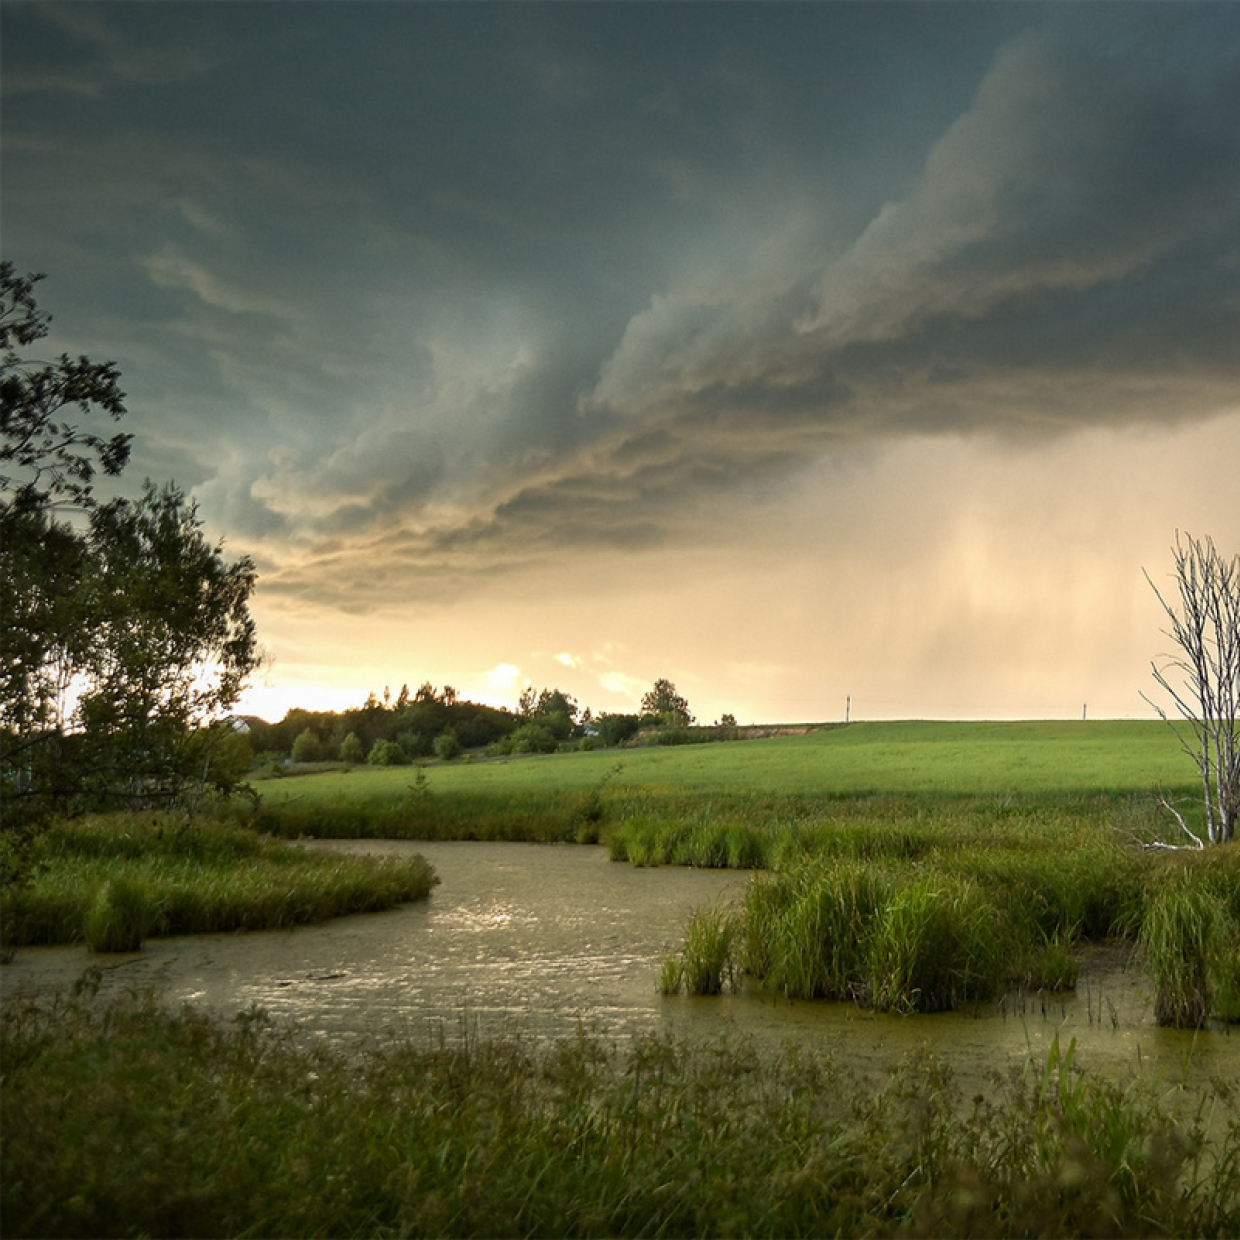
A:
863,759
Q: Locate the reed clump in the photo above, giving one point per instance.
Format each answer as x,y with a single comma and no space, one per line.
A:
245,1130
1187,940
120,916
706,965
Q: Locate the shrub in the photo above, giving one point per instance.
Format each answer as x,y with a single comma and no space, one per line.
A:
387,753
352,750
532,738
447,746
310,747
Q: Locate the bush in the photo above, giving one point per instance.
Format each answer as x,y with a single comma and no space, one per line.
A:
532,738
352,750
310,747
387,753
616,729
447,746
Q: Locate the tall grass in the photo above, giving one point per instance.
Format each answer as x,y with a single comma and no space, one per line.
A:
706,964
114,880
936,944
246,1131
1181,933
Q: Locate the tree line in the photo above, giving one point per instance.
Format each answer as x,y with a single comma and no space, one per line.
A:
432,722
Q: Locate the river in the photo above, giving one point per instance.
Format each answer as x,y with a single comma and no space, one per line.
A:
538,940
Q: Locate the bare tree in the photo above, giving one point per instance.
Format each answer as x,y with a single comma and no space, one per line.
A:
1203,679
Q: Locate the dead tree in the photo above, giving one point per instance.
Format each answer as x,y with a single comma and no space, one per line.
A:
1203,680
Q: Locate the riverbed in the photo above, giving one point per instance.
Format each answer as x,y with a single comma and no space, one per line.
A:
538,941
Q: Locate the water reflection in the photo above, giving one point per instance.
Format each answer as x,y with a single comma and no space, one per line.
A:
538,940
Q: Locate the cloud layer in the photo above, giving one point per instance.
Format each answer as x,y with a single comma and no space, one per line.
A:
427,302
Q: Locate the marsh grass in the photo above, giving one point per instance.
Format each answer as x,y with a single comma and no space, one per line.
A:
114,880
706,964
246,1130
1187,937
120,916
936,944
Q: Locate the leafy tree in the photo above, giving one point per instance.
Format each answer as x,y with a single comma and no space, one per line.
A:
1203,679
446,746
387,753
527,704
665,704
309,746
616,729
43,458
556,702
124,633
352,750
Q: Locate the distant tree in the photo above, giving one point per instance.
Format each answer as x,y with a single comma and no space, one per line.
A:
616,729
1203,679
448,696
307,747
557,702
446,746
352,750
527,703
387,753
665,704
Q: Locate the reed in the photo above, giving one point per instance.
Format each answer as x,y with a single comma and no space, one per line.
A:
1184,930
120,917
935,945
706,964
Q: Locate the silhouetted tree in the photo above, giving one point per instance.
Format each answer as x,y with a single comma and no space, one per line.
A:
1203,679
666,704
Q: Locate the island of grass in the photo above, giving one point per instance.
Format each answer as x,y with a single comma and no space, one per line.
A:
113,880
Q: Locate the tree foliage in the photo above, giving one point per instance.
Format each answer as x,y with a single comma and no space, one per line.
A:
43,457
664,703
1203,678
124,633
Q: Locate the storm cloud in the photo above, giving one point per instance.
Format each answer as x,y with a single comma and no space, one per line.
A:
430,302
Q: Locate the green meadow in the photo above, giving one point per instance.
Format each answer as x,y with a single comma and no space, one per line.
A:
542,797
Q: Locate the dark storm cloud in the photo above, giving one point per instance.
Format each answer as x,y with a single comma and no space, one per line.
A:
433,291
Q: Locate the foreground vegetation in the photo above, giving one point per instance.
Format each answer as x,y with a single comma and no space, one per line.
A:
246,1131
113,880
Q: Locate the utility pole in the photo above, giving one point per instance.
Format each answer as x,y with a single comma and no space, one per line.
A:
847,707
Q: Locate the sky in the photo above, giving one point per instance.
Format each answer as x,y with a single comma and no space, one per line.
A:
815,357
